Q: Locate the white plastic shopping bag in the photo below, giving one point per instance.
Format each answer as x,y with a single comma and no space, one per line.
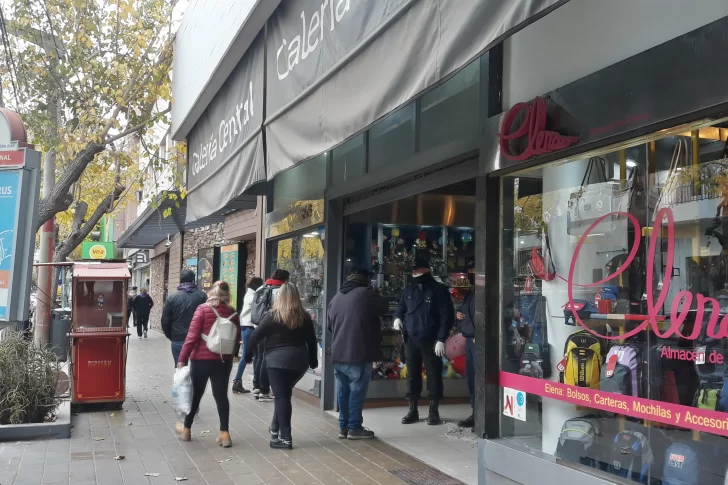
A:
182,391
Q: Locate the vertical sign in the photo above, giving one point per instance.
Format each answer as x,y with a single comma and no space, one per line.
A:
205,268
9,197
229,270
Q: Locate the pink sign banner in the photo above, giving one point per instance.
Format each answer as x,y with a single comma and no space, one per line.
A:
672,414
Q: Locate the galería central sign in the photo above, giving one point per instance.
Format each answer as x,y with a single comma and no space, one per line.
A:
533,130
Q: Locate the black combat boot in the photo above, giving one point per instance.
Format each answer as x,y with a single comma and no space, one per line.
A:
238,386
413,415
467,423
433,417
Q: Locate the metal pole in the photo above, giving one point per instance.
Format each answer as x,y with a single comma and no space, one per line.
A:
41,334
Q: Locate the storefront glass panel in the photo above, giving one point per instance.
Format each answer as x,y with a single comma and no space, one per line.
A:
305,181
392,139
348,161
614,280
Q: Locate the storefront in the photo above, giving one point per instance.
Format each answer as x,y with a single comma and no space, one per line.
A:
604,232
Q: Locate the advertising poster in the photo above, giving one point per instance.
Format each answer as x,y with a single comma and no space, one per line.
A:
97,250
205,268
9,197
229,270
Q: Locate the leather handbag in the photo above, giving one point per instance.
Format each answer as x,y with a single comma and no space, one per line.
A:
542,265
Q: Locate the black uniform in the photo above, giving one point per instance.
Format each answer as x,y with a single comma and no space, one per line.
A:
428,316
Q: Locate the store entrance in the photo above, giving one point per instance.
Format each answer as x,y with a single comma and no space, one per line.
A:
437,226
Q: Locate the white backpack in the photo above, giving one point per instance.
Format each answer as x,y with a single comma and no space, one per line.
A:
223,335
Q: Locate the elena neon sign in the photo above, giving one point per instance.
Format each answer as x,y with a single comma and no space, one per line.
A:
540,140
681,304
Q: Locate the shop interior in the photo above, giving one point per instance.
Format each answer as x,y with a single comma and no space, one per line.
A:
553,213
438,226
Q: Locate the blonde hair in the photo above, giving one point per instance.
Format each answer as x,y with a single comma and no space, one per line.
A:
287,307
219,293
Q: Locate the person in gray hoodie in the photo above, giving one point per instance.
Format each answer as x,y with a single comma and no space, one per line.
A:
179,309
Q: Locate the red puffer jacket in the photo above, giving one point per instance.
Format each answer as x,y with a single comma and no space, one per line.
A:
195,348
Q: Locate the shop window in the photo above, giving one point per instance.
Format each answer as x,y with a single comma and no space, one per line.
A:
392,139
614,309
304,182
452,111
348,161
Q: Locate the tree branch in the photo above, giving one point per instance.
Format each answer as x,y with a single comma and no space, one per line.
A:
136,127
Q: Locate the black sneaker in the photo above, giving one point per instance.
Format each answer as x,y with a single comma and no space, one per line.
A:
467,423
264,397
343,433
281,444
360,434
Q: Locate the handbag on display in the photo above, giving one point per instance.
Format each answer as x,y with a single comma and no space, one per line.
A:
541,264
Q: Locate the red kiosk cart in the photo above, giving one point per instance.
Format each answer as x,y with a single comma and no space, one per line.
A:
99,334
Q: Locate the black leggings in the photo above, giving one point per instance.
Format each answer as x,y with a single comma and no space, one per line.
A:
282,382
142,322
218,372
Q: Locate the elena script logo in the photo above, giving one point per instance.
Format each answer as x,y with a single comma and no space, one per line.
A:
540,140
681,304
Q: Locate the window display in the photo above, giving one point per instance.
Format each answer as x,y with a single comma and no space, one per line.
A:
615,309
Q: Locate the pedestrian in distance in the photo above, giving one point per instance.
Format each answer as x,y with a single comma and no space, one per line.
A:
246,330
179,309
290,349
262,304
206,365
143,304
425,315
353,320
130,304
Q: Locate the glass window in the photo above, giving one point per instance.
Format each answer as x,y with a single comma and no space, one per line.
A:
393,138
348,161
451,111
614,309
305,181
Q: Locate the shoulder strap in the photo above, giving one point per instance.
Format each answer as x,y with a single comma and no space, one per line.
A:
232,316
217,315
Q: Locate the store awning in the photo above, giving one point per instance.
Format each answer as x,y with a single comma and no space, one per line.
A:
152,227
337,67
101,271
226,159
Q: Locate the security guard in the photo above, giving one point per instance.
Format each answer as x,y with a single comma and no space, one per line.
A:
428,316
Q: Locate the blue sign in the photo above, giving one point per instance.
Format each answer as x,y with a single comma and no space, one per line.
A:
9,198
520,399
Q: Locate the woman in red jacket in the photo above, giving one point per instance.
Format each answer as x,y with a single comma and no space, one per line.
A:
207,365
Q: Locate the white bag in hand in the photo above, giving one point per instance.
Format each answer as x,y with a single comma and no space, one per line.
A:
182,391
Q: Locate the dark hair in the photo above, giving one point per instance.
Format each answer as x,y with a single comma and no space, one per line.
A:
360,270
254,283
281,275
187,276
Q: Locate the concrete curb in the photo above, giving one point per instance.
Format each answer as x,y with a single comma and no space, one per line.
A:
59,429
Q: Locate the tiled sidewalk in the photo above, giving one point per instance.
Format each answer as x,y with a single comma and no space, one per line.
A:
144,434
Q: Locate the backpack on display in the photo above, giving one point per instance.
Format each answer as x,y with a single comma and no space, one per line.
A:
659,384
262,303
223,335
708,395
681,465
582,363
631,456
539,335
532,361
621,371
577,441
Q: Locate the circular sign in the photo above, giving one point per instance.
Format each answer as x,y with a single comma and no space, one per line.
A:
97,251
520,399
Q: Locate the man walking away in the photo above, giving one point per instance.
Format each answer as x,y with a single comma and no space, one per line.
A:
353,320
179,309
262,304
466,319
428,315
130,304
142,307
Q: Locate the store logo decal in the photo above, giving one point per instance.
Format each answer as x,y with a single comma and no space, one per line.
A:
514,403
540,140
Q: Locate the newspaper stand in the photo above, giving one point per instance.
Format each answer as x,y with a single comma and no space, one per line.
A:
99,336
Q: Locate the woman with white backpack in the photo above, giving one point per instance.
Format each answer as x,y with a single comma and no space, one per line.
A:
213,339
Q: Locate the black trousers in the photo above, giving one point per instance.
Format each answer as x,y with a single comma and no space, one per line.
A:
282,382
217,372
142,322
417,353
260,371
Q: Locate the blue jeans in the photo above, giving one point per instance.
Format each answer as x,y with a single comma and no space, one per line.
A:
470,369
245,333
176,349
352,384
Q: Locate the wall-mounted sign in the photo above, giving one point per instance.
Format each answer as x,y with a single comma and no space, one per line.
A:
229,263
139,258
206,268
530,138
97,250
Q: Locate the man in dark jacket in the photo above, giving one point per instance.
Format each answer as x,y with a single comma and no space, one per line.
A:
426,315
179,310
353,320
466,320
130,304
143,304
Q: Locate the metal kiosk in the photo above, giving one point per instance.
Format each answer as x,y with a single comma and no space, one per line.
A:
99,335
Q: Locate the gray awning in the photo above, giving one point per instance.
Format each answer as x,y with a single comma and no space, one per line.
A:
151,227
334,68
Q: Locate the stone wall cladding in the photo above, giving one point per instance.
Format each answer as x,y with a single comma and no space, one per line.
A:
158,277
204,237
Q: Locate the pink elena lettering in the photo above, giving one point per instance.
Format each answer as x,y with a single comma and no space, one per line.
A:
677,314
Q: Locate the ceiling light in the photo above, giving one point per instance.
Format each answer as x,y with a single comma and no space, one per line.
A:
631,163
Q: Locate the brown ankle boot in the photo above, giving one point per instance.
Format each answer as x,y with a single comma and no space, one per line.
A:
224,439
184,433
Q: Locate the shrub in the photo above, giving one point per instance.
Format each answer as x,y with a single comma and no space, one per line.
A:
28,378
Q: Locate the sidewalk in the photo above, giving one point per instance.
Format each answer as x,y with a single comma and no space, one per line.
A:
144,434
